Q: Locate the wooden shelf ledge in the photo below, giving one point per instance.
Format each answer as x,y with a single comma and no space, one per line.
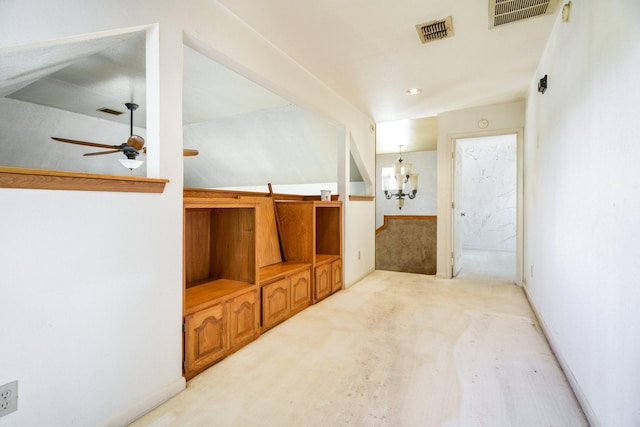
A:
44,179
210,292
280,270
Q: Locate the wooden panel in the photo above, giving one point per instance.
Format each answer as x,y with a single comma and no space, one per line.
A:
205,338
322,281
234,194
207,294
197,245
281,270
244,323
300,288
389,218
44,179
275,302
297,231
233,245
266,231
328,229
336,275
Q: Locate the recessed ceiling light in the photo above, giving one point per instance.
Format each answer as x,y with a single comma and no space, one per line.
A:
413,91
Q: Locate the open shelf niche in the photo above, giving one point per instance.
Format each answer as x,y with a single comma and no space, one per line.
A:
312,232
221,299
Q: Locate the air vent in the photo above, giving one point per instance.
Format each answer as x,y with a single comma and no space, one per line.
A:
503,12
435,30
110,111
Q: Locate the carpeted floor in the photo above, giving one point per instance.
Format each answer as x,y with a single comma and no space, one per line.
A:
395,349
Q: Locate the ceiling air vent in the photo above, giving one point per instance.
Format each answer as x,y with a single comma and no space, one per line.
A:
435,30
507,11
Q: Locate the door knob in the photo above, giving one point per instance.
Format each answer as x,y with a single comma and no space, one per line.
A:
462,214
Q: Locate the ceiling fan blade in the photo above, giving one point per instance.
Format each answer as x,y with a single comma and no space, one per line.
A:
99,153
185,152
88,144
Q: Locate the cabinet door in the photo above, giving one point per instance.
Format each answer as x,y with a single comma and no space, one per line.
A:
205,338
300,290
275,302
323,281
336,275
243,319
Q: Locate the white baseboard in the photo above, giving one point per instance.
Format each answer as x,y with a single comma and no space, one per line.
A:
362,276
151,402
573,383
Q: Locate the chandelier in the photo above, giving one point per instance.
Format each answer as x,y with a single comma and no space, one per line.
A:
406,182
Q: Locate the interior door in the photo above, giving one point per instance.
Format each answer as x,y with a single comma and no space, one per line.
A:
457,214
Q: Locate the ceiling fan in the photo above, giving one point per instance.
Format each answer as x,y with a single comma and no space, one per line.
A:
131,148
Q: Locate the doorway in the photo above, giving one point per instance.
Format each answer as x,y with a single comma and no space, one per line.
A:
485,206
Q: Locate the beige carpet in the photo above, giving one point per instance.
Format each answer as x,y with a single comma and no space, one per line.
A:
395,349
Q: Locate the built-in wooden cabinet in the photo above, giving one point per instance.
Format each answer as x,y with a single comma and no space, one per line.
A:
286,290
221,299
311,232
250,264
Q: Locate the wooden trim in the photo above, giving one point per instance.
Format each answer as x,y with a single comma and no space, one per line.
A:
234,194
387,218
44,179
359,198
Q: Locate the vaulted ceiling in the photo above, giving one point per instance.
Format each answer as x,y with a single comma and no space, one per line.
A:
367,51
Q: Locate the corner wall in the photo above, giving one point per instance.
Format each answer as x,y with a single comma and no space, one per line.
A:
582,198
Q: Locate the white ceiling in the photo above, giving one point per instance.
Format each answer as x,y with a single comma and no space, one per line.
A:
370,53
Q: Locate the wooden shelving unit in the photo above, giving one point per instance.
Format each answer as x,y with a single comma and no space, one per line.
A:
312,232
251,263
221,299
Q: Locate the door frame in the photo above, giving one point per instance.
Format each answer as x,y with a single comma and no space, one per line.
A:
445,200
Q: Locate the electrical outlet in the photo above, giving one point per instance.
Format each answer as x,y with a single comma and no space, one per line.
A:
8,398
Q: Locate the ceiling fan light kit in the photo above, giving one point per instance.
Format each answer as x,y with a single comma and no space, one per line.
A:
131,163
131,149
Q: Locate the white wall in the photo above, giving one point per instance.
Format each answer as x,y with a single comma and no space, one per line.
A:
583,205
502,118
424,163
91,281
488,192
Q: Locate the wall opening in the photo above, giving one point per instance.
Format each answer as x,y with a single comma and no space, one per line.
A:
485,206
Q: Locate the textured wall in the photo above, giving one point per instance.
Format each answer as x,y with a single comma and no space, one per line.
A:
407,244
